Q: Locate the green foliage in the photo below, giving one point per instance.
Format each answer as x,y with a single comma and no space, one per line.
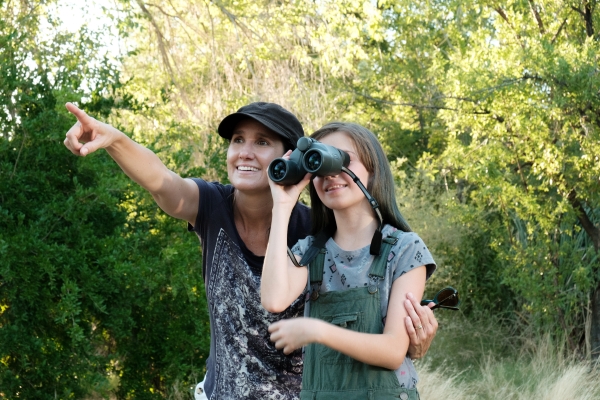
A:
96,285
528,156
460,242
489,113
496,106
162,335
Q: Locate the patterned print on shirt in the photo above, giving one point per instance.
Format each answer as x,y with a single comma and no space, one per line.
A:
391,256
418,256
248,366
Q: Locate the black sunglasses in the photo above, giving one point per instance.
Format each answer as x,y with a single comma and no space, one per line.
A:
445,298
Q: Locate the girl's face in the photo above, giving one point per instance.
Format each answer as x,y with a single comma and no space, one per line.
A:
251,149
339,192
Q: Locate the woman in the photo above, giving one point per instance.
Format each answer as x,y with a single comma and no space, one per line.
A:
232,222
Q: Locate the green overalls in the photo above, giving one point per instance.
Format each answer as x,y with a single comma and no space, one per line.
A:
331,375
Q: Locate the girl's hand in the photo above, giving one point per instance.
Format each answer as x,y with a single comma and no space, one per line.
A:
291,334
288,195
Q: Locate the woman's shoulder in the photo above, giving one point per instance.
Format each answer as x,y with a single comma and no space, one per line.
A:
213,187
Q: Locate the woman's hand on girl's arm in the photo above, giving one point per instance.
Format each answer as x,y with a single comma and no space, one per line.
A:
421,326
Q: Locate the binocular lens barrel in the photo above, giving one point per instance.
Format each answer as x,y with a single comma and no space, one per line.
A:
286,172
278,170
310,156
325,160
313,161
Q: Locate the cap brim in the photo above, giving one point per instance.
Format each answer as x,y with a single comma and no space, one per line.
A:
229,123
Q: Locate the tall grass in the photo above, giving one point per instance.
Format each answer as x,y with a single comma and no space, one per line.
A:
484,360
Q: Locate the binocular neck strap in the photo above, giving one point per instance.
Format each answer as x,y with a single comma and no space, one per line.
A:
375,248
322,237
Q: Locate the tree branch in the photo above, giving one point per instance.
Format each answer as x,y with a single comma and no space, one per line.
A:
161,39
560,28
163,11
392,103
165,57
587,17
520,169
577,10
234,20
537,16
18,155
584,219
503,15
505,18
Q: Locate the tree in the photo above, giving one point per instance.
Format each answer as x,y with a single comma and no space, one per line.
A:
498,104
97,291
530,126
517,93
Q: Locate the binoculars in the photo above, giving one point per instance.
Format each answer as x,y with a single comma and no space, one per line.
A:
310,156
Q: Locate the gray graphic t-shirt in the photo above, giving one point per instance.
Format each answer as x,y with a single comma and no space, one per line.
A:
349,269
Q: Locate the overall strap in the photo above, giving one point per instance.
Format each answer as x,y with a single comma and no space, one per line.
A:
376,271
315,270
378,266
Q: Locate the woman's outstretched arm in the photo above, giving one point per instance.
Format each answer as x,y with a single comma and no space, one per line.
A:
177,196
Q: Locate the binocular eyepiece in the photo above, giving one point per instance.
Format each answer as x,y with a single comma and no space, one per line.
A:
310,156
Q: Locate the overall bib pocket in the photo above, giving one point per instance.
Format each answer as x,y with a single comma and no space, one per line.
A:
348,320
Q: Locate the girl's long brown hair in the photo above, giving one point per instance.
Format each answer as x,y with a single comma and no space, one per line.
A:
381,182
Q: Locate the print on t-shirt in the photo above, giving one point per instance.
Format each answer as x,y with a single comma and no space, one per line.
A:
244,354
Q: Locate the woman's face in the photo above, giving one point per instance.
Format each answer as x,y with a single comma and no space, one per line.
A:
252,148
339,192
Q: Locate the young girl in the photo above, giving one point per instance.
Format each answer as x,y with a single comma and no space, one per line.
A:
354,329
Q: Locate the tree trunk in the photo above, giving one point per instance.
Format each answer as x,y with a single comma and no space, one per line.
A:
595,328
594,233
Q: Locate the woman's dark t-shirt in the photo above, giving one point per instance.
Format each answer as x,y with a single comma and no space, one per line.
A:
243,362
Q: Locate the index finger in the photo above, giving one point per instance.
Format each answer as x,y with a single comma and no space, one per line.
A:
77,112
287,155
273,327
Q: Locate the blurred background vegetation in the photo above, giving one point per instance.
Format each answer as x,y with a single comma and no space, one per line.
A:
490,116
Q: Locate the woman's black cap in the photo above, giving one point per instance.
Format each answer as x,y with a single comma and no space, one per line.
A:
271,115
